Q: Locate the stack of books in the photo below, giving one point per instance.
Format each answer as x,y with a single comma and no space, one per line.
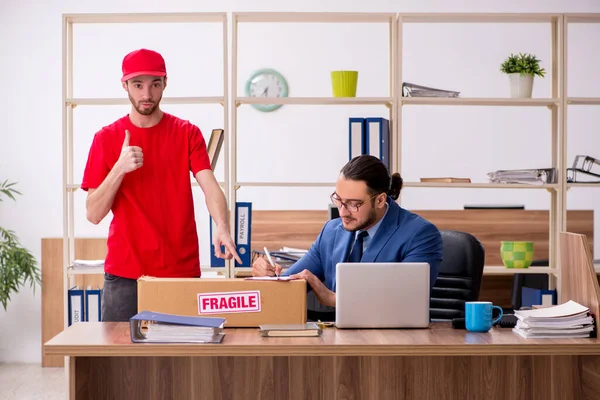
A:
568,320
290,330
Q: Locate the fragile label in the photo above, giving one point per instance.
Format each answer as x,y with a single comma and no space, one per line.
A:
229,302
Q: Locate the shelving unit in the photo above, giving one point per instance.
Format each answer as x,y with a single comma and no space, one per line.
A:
332,18
569,19
69,103
556,102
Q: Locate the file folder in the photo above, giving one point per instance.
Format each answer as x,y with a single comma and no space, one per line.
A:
377,139
93,306
535,297
356,137
243,233
214,260
210,329
76,305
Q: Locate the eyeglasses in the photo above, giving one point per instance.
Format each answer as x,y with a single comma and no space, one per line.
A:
351,207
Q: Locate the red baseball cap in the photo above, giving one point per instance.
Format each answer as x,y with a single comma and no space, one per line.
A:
143,62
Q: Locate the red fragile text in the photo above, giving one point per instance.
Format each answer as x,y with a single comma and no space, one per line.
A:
231,302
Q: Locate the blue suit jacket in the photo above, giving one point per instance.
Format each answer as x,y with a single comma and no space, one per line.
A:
402,237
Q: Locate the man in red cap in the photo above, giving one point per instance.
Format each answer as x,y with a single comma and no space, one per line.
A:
139,168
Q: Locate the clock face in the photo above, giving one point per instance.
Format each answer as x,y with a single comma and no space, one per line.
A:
266,83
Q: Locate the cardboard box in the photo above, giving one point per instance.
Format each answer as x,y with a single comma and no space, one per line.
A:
244,303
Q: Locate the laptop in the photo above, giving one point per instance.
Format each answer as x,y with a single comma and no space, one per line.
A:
382,295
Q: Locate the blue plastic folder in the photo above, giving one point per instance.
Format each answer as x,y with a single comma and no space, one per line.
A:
212,334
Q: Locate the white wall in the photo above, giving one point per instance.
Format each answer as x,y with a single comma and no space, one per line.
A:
280,146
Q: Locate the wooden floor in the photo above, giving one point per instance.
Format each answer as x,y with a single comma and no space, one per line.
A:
32,382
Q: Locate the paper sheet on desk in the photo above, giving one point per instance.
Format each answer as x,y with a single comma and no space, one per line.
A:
567,309
269,278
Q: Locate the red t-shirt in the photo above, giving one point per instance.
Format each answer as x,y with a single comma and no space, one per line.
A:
153,230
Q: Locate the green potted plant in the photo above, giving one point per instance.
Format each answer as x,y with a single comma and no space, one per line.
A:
17,264
521,69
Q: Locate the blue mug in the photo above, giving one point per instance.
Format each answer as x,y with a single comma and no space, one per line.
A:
478,316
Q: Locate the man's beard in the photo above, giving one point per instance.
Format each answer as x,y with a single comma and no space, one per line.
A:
370,219
142,110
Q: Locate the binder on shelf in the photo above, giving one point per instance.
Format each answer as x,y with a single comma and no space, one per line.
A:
76,305
214,146
377,139
537,297
356,137
93,304
243,233
215,261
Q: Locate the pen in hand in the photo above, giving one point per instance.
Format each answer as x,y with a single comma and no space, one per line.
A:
270,260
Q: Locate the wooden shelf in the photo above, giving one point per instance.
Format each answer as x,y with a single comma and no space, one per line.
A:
86,271
324,17
316,100
478,17
583,101
582,18
576,185
492,270
462,101
285,184
207,272
480,185
76,186
145,17
502,270
125,101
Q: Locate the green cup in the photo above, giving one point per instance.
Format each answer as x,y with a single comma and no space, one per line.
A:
516,254
344,83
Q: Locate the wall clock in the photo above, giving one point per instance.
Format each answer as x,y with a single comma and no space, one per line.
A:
266,82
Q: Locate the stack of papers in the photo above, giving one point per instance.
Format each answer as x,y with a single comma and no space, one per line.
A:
413,90
87,263
539,176
147,326
83,266
568,320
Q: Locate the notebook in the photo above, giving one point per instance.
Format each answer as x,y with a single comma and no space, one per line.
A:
290,330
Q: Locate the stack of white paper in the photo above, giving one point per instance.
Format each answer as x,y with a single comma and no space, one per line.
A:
414,90
87,265
159,332
539,176
568,320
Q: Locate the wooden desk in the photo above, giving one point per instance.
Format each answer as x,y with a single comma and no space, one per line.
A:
436,363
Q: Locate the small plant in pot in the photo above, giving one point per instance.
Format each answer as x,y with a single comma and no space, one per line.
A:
17,264
521,69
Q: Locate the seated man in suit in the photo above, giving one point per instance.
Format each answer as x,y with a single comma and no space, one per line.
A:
372,228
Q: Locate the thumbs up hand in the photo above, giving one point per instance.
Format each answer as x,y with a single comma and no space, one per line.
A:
131,157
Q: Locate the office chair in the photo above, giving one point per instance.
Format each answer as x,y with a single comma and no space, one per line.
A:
459,277
315,311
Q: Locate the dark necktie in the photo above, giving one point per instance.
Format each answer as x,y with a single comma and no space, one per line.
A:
357,249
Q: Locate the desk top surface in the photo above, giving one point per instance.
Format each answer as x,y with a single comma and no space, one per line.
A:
112,339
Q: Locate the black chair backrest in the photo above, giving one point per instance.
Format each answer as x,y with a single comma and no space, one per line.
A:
459,277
